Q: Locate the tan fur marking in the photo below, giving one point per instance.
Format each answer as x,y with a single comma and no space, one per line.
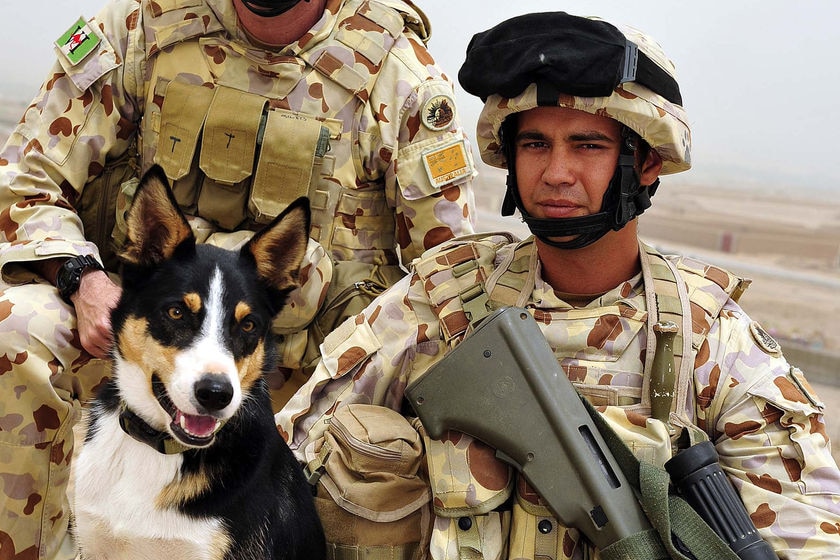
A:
138,347
242,310
250,367
219,545
180,491
193,302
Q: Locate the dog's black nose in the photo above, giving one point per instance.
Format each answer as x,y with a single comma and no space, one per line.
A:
213,392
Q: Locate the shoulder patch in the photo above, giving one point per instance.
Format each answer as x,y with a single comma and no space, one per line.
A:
438,112
447,164
77,42
764,340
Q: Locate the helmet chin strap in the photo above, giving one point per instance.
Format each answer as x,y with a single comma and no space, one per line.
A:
624,199
269,8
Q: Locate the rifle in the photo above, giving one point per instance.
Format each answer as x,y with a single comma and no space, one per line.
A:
503,386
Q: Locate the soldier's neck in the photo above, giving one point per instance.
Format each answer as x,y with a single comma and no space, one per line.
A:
597,268
276,32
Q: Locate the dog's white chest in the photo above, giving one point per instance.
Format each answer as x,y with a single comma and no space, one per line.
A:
118,481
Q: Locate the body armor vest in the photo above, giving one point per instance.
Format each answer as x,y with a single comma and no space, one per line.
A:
242,132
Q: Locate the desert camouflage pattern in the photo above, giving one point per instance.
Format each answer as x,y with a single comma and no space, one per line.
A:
389,177
765,420
42,395
663,124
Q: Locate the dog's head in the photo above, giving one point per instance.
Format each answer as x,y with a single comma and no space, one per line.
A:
192,329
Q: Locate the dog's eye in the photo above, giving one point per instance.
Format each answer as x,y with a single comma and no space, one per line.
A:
248,326
175,313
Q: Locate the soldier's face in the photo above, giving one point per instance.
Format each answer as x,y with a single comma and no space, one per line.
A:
565,160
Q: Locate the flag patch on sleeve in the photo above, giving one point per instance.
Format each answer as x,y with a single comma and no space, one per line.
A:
78,42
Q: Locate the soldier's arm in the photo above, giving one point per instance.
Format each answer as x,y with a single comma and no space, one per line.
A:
425,153
769,430
85,114
369,359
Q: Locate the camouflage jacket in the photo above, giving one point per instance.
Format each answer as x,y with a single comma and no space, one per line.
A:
357,107
765,421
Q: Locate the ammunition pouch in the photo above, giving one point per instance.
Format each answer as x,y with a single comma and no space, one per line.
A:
210,140
372,493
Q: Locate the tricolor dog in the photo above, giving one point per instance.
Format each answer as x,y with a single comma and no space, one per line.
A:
181,457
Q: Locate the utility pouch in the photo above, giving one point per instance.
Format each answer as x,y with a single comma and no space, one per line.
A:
228,146
469,486
535,532
290,144
372,494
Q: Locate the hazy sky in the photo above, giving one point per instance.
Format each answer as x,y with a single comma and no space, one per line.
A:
759,78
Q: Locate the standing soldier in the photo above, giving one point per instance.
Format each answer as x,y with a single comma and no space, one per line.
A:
585,117
246,104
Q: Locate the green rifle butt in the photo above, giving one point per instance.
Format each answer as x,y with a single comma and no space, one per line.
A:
502,385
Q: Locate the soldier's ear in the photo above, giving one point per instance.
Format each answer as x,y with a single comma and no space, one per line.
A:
650,168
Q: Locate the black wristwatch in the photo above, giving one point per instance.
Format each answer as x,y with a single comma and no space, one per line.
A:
70,275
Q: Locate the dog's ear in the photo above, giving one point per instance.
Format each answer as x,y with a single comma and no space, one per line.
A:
279,248
156,226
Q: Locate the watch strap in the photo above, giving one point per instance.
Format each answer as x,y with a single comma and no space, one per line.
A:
70,275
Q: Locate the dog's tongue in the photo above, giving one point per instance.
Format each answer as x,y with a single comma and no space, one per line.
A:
199,426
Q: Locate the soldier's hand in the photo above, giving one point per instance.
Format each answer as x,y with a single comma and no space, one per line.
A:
96,297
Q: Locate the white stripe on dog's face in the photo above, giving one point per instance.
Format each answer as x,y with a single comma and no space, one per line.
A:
207,355
144,361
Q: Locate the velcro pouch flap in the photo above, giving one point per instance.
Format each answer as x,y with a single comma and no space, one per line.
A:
182,118
290,144
371,457
230,135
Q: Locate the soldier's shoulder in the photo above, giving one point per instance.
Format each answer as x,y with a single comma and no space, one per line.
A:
413,17
696,271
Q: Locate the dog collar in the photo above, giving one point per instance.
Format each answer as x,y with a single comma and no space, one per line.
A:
140,430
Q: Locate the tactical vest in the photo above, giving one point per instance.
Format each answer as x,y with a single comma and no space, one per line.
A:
241,135
467,280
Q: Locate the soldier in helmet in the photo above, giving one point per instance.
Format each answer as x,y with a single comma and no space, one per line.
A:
586,117
246,105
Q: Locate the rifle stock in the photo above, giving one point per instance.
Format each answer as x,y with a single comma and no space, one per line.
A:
503,386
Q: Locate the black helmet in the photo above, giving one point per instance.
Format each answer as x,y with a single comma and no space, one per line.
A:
270,8
557,59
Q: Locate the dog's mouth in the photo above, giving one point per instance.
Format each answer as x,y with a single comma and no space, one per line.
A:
190,429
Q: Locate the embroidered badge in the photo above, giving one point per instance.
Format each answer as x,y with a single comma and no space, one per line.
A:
447,164
764,340
78,42
438,112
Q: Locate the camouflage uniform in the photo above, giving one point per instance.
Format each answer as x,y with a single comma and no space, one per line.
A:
766,422
355,114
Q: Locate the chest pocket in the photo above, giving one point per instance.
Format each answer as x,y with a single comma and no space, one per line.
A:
231,157
601,350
